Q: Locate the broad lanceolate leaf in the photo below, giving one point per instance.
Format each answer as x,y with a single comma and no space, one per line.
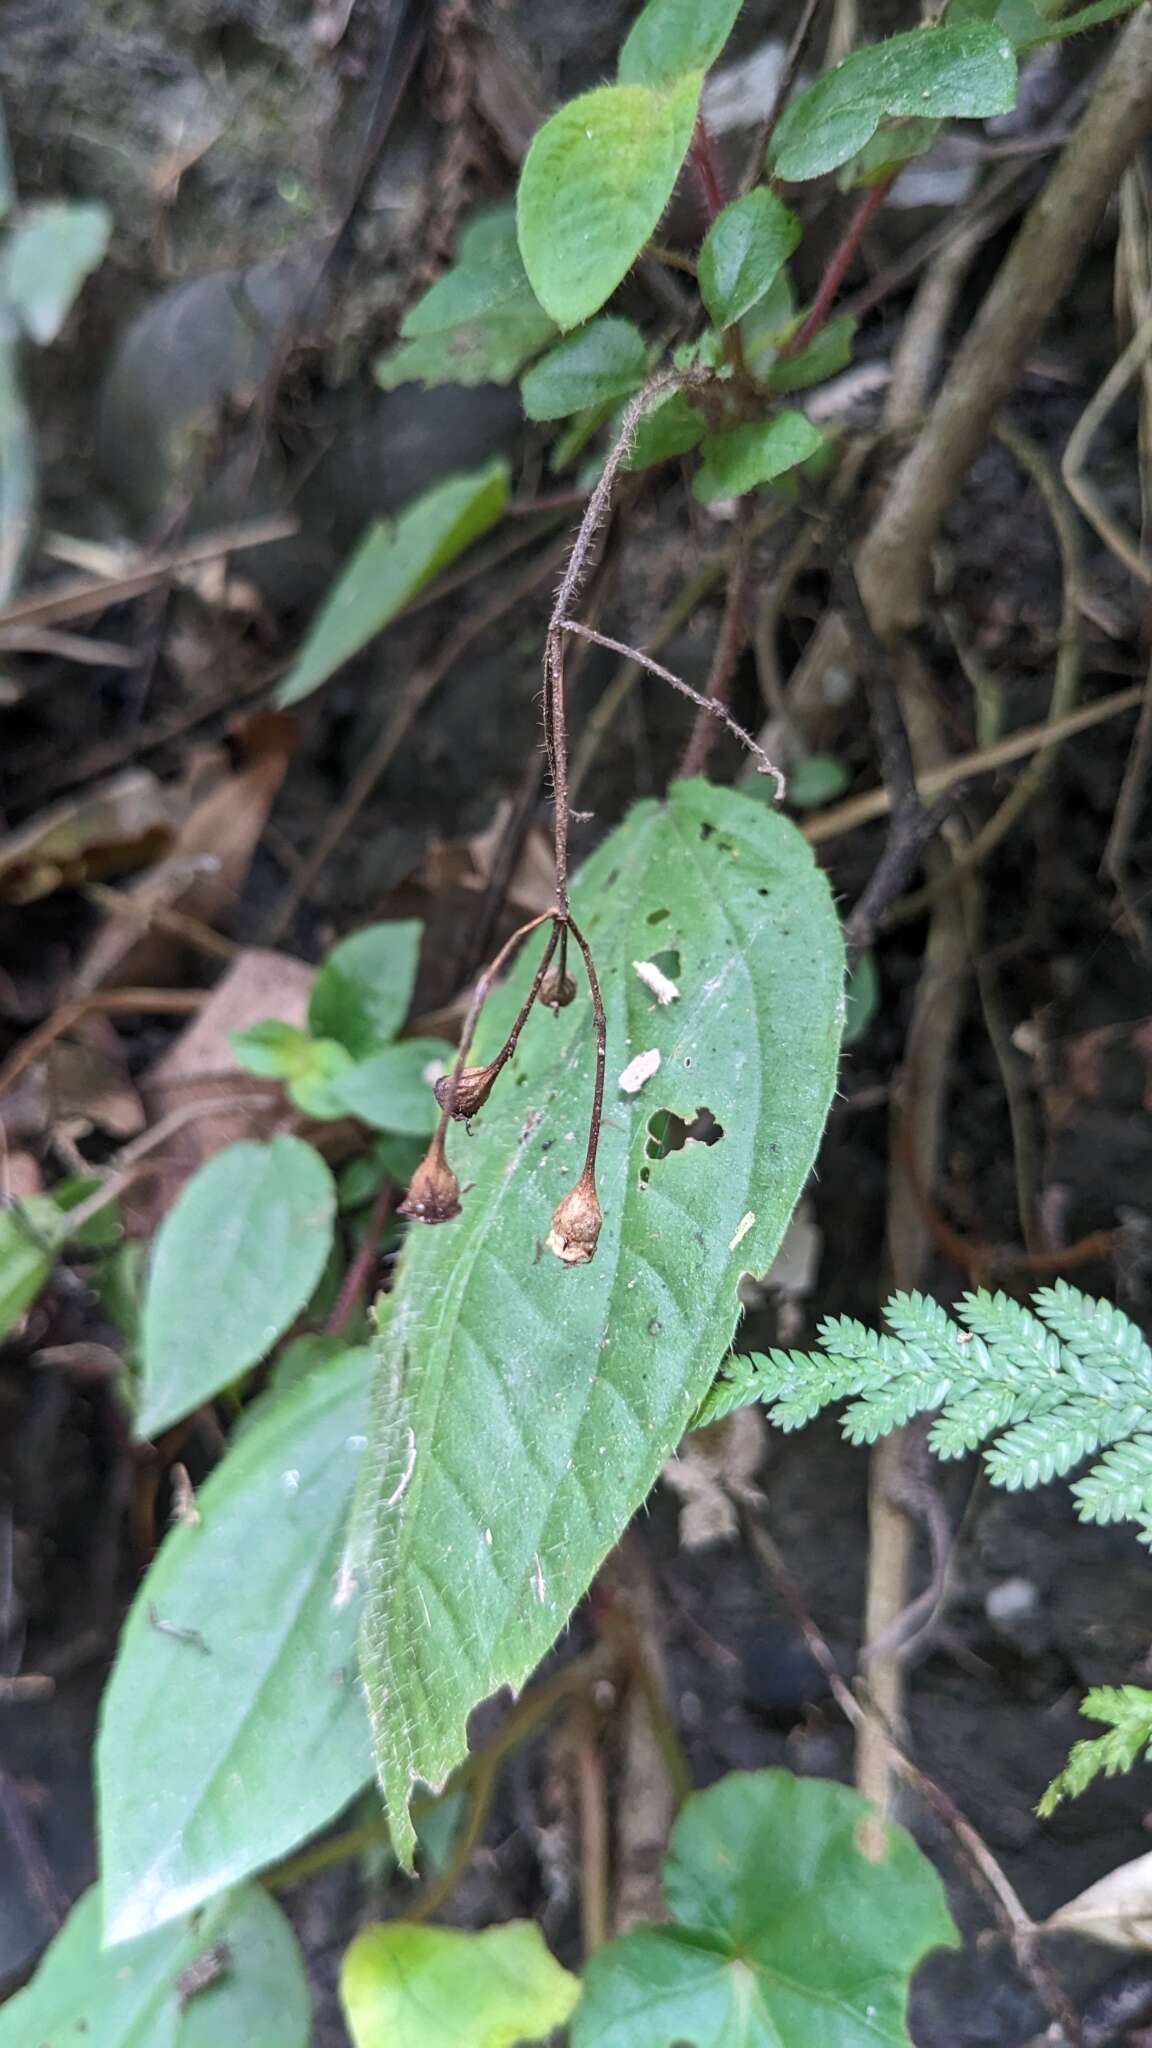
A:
1080,19
233,1723
757,453
594,185
523,1408
604,361
232,1975
391,564
672,37
407,1986
932,73
480,322
798,1917
392,1091
743,252
49,253
234,1262
362,993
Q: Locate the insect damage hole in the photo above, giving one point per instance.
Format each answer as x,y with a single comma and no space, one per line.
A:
668,1132
657,916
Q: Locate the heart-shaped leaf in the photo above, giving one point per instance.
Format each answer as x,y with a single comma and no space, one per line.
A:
798,1915
233,1724
525,1408
232,1974
594,185
604,361
390,565
234,1263
931,73
743,252
437,1987
671,37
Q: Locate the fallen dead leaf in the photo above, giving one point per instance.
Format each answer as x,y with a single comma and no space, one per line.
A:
713,1465
1116,1910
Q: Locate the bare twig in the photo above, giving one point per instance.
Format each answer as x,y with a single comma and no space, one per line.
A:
842,259
1124,545
1132,788
178,1002
710,705
730,643
789,73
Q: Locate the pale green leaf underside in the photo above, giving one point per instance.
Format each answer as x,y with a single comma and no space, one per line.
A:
524,1409
48,255
223,1747
594,185
438,1987
128,1996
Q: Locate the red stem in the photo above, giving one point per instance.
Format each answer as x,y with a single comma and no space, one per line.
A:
841,263
706,164
356,1278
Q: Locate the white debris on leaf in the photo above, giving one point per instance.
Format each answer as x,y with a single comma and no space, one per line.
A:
743,1227
638,1071
657,982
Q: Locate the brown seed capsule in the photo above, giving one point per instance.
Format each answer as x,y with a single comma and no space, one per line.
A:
576,1224
434,1191
472,1090
557,990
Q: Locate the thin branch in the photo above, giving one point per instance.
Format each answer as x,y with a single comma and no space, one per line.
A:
840,264
708,704
789,73
730,643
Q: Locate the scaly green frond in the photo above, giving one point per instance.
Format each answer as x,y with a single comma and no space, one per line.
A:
1127,1711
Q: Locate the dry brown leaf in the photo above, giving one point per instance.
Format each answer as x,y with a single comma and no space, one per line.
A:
711,1470
118,826
533,885
1116,1910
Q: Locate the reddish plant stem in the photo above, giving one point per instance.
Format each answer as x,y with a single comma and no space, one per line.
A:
510,1043
355,1281
706,164
601,1024
479,997
838,268
730,643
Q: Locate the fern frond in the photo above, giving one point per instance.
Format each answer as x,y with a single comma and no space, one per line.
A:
1127,1710
1042,1392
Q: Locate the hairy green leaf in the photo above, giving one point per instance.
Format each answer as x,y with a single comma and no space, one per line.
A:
390,565
831,351
743,457
594,185
524,1408
743,253
231,1975
789,1925
604,361
49,253
234,1263
362,992
233,1724
672,37
438,1987
480,322
1082,18
392,1091
965,70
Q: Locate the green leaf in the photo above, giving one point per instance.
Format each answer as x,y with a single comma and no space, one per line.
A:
671,38
272,1049
789,1926
816,779
362,993
31,1233
392,1091
965,70
894,144
480,322
316,1088
233,1265
233,1724
138,1996
391,564
743,457
671,428
604,361
594,185
1083,18
743,253
831,351
525,1408
861,999
49,253
407,1986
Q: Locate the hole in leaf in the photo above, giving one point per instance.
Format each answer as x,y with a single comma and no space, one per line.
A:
668,1132
656,916
706,830
668,963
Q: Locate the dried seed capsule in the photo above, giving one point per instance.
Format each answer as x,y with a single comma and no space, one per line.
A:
557,990
434,1191
576,1224
473,1088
